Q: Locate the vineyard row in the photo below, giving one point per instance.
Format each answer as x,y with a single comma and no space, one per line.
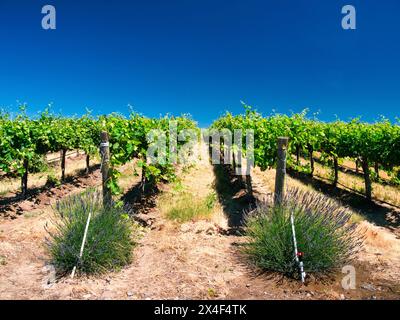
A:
23,138
376,144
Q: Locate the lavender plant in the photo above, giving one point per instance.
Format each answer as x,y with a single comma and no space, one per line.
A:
109,241
324,233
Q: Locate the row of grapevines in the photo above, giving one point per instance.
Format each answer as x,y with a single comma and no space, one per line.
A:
129,140
377,143
21,138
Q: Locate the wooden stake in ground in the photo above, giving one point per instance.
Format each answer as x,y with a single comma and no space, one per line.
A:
367,178
105,167
281,169
310,154
63,156
87,163
24,179
336,170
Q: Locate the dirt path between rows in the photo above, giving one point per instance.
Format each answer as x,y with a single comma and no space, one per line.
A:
195,260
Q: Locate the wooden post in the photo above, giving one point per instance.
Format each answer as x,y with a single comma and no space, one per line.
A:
105,167
87,163
336,170
63,155
310,152
367,178
24,179
249,160
281,170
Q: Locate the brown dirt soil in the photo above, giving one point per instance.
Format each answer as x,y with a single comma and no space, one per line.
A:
40,196
194,260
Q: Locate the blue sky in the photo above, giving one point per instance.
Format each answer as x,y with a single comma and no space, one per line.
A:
202,57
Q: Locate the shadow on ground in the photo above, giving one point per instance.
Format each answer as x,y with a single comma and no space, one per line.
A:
139,200
232,194
8,202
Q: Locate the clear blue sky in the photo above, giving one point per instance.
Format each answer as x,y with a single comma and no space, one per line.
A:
202,57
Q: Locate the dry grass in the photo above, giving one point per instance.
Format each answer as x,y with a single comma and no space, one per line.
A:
350,164
192,197
182,206
34,180
352,182
386,193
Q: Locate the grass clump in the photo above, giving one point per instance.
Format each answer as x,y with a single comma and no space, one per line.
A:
109,241
185,206
324,234
52,181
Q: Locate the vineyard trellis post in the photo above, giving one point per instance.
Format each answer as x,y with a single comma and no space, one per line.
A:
87,163
63,156
310,154
336,170
24,179
367,178
105,167
281,169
